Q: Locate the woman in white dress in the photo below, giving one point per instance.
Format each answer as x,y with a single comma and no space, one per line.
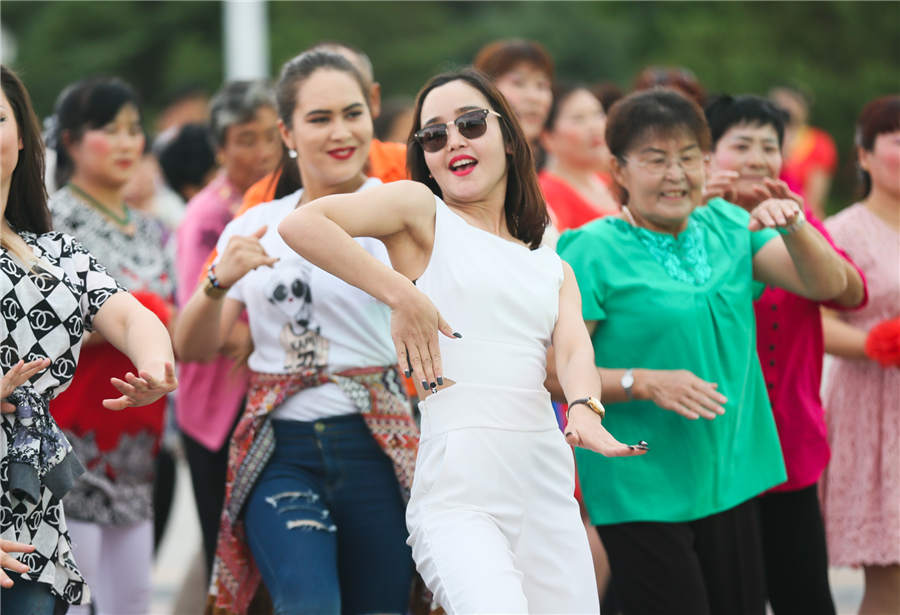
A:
493,523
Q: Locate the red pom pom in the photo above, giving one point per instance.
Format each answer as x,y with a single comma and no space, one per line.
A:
155,304
883,342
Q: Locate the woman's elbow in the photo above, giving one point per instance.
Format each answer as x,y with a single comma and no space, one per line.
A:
292,227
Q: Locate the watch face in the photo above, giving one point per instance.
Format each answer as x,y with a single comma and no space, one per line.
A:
627,379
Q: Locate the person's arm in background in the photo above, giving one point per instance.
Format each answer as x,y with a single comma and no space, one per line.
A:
842,339
138,333
577,376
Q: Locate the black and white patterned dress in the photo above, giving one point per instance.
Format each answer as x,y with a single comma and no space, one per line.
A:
45,313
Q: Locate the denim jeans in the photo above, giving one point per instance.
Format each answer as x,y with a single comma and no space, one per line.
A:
29,598
325,522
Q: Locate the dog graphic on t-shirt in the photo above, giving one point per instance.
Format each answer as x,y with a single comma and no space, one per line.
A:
303,345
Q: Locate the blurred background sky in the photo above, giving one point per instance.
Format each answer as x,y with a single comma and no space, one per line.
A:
842,53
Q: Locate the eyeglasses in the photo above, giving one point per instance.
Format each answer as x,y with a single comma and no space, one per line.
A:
471,125
659,165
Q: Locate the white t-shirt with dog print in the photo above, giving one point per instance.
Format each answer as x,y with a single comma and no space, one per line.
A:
301,316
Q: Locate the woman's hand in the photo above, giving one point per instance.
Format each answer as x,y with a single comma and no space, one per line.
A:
584,428
415,323
779,206
721,184
145,388
8,561
241,255
18,375
775,189
681,392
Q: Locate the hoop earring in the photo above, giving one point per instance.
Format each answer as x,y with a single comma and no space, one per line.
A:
292,153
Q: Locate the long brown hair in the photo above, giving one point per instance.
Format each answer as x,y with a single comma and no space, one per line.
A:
526,213
26,207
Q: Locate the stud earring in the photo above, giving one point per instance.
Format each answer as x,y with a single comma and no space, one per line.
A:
292,153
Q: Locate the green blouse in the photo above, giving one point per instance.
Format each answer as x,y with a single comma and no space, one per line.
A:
662,302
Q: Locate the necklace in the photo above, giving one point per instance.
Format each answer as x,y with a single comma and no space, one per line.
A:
118,219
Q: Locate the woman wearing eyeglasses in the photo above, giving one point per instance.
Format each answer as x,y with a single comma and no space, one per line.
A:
321,460
493,523
668,297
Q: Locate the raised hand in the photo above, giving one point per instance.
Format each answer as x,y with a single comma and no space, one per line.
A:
18,375
584,428
241,255
721,184
775,189
683,393
415,324
143,389
781,210
11,563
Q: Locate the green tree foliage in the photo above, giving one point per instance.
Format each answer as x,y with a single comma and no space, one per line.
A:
845,53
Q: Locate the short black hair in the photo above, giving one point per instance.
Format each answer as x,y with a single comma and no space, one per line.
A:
725,111
187,158
86,105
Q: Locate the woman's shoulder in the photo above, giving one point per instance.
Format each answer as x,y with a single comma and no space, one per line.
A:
596,232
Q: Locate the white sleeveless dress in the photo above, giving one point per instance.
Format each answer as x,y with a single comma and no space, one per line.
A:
494,526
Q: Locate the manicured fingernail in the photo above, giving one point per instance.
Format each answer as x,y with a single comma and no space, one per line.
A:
457,334
432,386
440,380
424,384
407,373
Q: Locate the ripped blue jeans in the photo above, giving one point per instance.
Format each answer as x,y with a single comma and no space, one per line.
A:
325,522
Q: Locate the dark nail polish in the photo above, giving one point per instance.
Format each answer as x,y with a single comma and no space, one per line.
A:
440,380
407,373
432,386
424,384
457,334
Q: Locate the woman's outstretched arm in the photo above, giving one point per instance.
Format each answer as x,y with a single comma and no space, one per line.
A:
401,215
139,334
577,375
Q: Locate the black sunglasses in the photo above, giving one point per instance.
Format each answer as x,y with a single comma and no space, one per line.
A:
471,125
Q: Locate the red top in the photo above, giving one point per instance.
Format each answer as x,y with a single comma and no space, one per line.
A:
790,346
567,207
815,149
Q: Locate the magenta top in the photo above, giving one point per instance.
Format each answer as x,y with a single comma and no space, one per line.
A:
790,346
209,395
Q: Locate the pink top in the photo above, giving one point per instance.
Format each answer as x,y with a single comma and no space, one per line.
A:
209,394
860,489
790,347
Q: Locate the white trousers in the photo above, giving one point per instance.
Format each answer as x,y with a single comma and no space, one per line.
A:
116,561
494,526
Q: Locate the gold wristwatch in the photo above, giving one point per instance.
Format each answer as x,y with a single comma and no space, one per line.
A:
591,402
